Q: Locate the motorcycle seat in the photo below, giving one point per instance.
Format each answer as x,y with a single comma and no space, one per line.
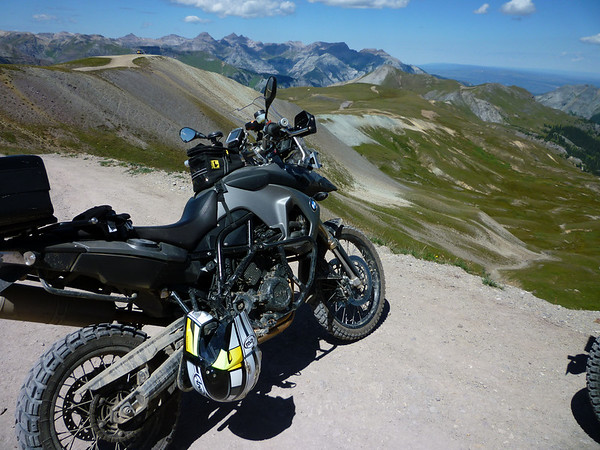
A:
199,216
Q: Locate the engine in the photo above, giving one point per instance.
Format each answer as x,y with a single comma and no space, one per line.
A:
270,293
275,293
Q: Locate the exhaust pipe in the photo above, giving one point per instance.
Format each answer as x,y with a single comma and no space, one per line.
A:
34,304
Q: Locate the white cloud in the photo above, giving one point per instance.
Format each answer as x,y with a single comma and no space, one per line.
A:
483,9
573,57
591,39
365,4
195,19
242,8
43,17
518,8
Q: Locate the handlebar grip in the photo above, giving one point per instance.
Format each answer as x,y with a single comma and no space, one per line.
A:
254,126
272,129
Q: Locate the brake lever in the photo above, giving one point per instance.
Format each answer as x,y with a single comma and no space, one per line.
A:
294,133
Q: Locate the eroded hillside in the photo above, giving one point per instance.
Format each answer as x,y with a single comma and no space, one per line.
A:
132,113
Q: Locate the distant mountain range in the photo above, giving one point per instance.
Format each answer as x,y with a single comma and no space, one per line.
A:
536,82
296,64
577,94
238,57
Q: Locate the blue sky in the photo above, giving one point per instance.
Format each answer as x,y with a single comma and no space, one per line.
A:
531,34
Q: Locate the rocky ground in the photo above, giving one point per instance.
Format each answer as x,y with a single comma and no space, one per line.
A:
454,364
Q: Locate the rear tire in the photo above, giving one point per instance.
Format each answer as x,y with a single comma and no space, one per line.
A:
50,416
349,313
593,377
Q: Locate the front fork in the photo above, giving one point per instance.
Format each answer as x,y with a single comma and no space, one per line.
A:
330,232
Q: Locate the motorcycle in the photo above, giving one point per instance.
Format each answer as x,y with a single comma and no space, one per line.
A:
248,251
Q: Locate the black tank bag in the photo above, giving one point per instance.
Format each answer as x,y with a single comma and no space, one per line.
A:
209,163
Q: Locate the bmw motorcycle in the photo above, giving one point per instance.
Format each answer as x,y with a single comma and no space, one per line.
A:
249,249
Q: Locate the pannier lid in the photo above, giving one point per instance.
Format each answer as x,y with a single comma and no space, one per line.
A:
22,173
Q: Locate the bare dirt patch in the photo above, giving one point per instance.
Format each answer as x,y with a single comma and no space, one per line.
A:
429,114
115,61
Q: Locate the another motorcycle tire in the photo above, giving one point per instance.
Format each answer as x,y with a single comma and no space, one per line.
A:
349,313
593,377
50,416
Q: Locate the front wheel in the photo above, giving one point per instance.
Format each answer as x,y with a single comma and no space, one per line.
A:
50,415
349,313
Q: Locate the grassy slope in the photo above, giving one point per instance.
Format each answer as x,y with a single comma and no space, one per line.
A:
129,114
535,194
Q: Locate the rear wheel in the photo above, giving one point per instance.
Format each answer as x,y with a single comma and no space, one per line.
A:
347,312
50,415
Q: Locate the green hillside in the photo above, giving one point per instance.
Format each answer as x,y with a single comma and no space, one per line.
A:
457,166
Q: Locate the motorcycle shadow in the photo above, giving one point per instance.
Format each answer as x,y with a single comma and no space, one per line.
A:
584,414
261,416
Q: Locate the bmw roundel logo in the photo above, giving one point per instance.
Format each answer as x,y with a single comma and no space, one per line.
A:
313,204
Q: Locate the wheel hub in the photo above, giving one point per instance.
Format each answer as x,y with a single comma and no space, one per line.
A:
356,296
103,425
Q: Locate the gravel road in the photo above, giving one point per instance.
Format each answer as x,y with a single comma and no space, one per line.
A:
455,363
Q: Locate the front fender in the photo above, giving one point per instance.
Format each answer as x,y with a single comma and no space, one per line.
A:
334,226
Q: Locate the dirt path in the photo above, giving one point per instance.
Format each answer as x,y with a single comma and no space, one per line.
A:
455,364
115,61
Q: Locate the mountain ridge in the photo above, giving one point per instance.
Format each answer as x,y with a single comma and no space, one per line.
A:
537,82
297,64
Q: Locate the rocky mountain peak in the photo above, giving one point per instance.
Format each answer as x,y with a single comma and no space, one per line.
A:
582,100
297,64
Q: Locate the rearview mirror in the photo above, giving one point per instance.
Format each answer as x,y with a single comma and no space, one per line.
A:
270,92
189,134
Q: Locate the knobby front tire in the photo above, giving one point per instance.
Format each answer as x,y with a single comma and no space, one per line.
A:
346,312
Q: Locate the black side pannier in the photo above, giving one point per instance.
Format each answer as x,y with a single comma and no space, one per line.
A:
209,163
24,194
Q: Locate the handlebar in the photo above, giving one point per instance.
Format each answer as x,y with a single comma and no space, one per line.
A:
274,140
281,129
